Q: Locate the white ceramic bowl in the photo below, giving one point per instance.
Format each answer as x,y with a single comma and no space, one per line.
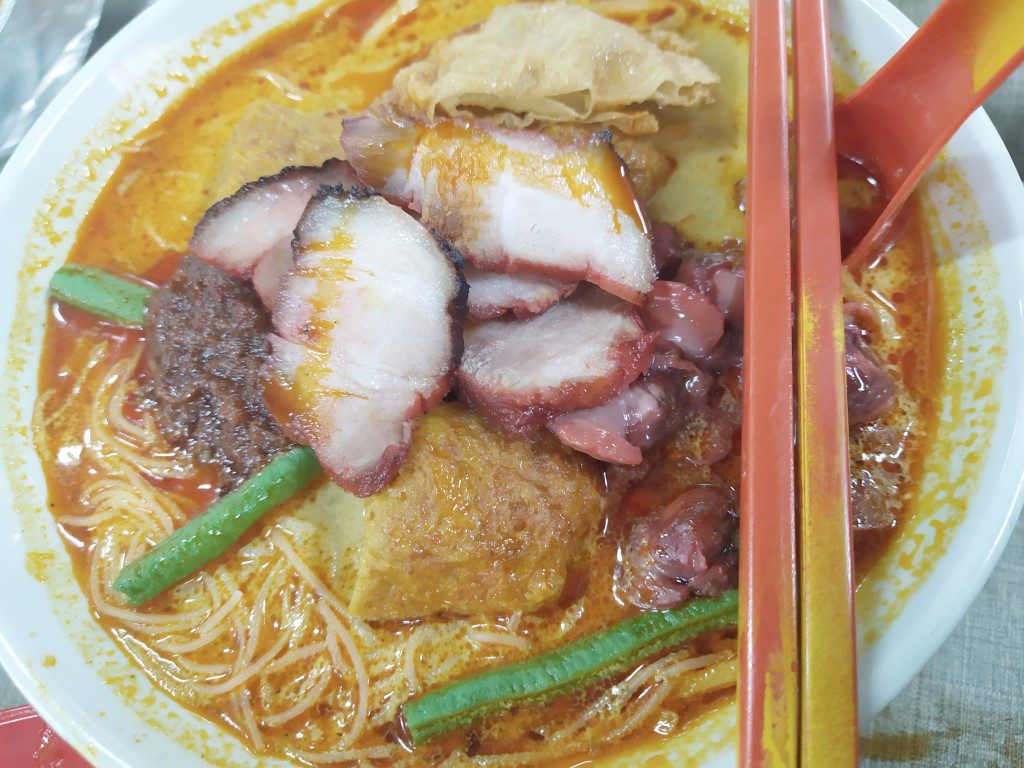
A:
82,684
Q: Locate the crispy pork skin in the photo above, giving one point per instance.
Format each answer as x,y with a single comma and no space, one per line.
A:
367,336
513,201
580,353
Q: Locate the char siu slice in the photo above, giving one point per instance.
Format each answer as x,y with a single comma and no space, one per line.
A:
513,201
366,335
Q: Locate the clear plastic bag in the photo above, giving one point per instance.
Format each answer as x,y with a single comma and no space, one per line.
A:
42,44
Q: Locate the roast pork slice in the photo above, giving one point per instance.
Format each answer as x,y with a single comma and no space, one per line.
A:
580,353
493,294
366,335
513,201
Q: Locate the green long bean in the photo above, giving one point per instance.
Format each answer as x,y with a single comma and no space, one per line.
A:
569,668
100,293
210,534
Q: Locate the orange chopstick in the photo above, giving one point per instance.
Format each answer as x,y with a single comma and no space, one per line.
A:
768,644
828,685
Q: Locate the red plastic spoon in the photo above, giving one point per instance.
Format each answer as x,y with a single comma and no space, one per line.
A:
899,120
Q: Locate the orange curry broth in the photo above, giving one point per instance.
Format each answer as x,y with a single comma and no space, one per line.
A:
143,218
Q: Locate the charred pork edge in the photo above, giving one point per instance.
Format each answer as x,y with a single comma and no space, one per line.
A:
249,186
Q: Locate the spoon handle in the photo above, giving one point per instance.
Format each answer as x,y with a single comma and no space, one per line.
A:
899,120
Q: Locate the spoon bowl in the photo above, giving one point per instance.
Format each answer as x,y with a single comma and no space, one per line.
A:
900,119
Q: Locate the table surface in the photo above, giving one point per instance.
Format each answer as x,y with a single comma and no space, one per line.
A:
964,709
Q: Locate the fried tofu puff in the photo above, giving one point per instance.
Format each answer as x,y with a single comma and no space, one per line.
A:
475,522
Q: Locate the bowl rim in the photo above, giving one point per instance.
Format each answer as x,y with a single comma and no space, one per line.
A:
876,692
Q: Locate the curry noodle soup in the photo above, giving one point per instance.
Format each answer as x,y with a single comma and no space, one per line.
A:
507,470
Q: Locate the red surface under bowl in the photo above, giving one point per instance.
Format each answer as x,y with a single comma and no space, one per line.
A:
28,742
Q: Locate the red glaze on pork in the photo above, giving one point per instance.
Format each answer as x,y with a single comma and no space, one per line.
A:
366,339
258,221
492,294
681,550
580,353
513,201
